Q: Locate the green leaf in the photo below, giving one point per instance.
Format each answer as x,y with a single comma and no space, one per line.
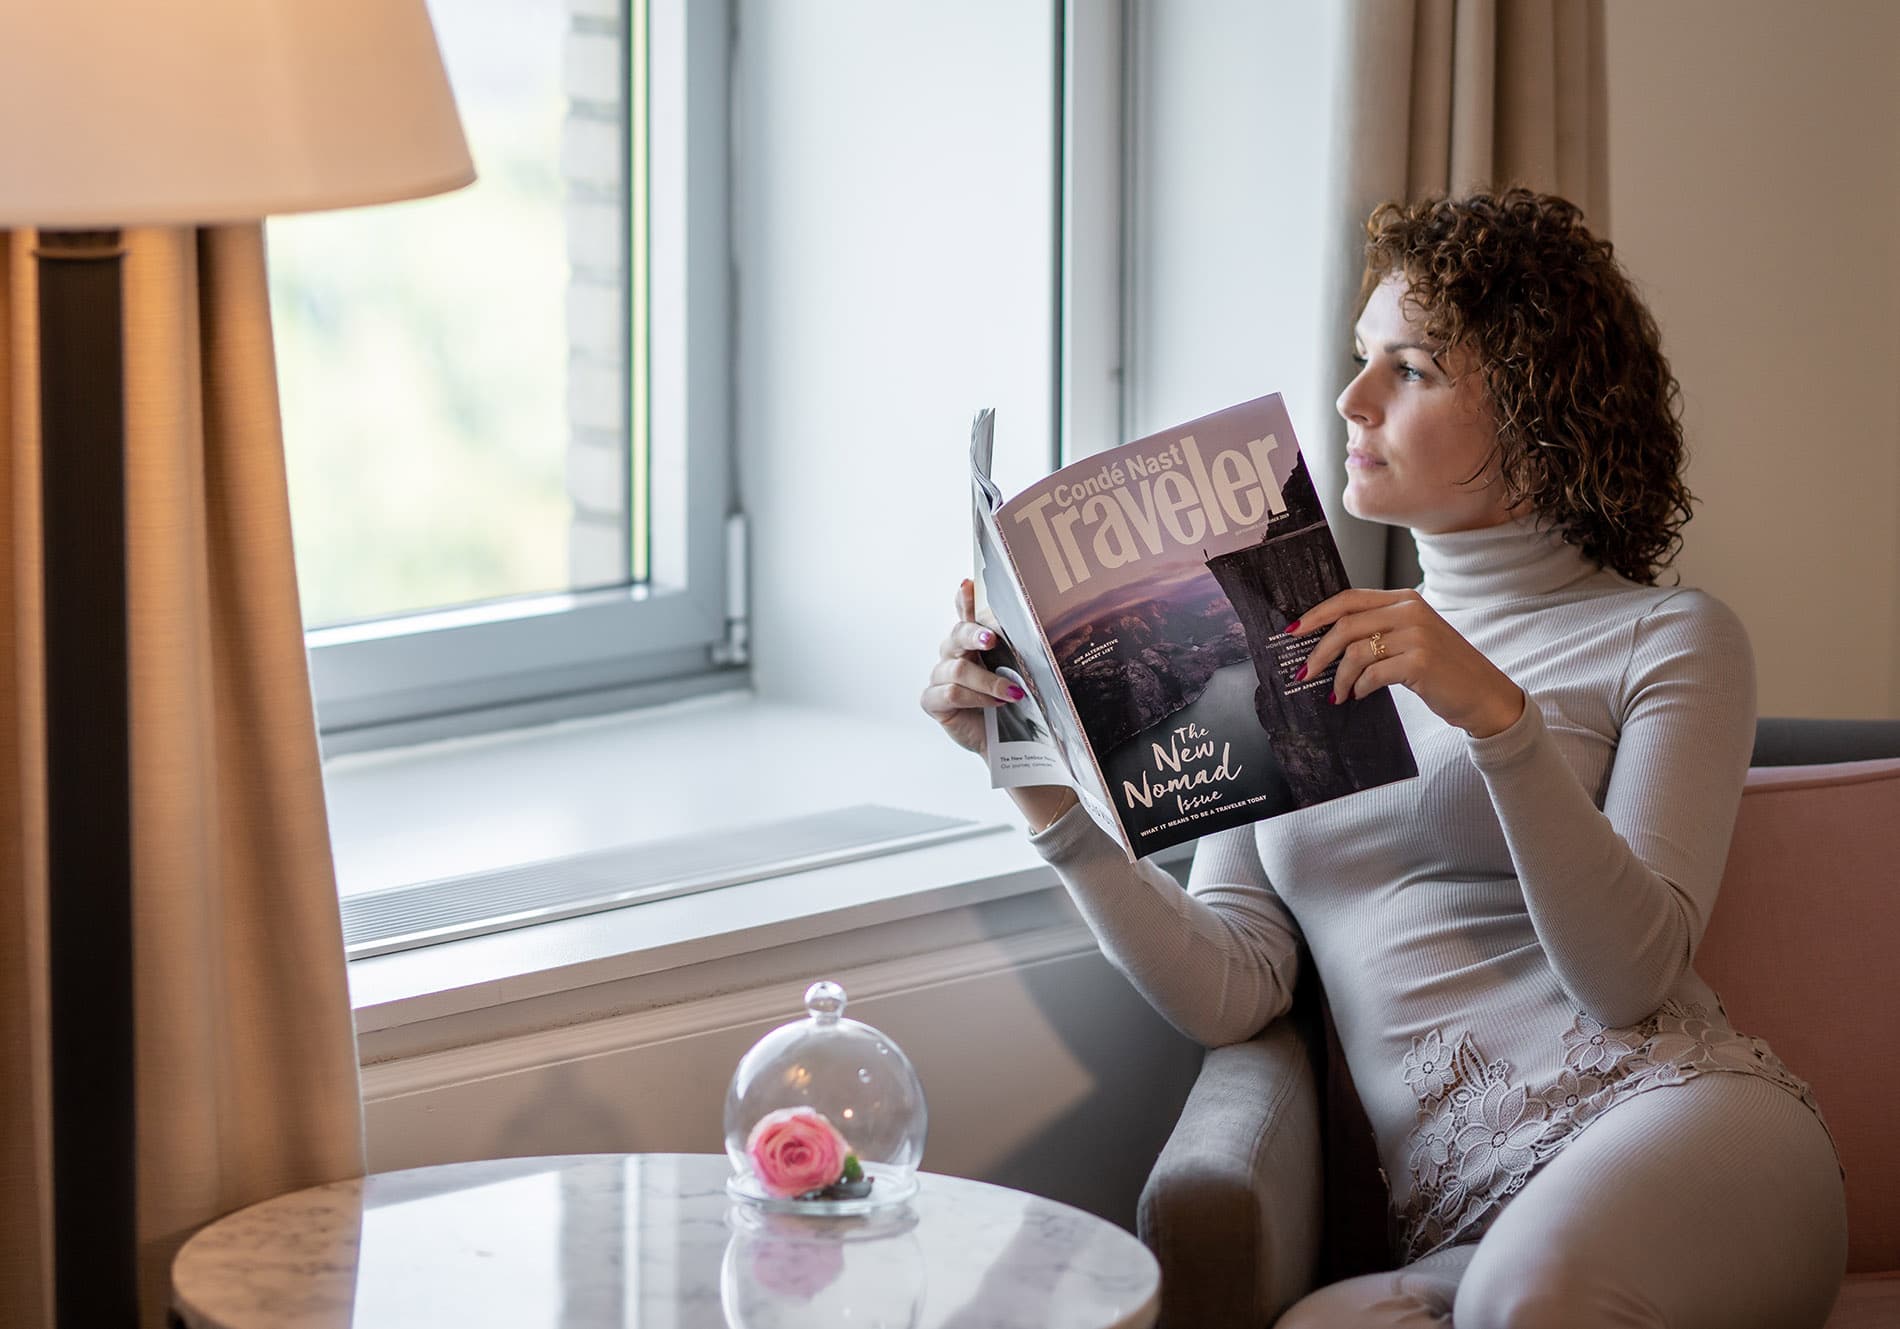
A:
852,1170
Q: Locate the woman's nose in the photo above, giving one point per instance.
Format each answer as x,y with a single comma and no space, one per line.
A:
1355,404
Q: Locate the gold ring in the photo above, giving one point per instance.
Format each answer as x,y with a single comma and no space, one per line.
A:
1378,646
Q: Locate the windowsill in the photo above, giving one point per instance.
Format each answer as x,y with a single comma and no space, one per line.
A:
698,766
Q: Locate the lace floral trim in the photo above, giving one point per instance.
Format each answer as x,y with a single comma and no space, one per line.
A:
1479,1137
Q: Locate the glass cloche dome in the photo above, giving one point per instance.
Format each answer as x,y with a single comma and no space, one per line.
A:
824,1115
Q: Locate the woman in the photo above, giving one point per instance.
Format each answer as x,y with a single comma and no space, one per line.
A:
1572,1132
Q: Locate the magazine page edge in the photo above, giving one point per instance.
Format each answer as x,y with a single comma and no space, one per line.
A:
1119,832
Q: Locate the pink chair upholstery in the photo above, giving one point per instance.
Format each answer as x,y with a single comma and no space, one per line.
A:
1802,950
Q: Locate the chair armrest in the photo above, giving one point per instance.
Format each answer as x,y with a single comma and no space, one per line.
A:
1790,741
1232,1209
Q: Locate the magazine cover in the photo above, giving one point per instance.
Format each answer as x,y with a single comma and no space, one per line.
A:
1159,579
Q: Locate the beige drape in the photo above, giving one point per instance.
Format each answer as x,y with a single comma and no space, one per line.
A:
1444,96
246,1054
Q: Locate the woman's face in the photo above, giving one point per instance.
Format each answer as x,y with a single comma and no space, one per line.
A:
1418,426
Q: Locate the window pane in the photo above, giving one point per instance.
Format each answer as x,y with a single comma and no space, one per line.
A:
452,369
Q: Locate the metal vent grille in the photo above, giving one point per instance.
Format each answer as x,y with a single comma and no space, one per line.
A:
420,914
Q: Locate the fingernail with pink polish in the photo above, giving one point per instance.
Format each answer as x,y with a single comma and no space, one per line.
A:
1016,693
1300,675
1294,626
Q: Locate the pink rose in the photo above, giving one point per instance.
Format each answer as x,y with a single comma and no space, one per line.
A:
794,1150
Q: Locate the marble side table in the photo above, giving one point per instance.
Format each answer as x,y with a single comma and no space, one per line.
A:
652,1240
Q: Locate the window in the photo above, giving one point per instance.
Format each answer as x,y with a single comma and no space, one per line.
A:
897,208
508,443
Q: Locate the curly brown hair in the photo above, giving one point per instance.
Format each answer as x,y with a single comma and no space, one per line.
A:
1589,416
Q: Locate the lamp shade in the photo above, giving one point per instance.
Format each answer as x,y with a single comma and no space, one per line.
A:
117,113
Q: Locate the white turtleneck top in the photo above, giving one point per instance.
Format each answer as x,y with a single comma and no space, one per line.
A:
1505,941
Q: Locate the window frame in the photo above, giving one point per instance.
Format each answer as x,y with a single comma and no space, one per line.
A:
1095,223
468,668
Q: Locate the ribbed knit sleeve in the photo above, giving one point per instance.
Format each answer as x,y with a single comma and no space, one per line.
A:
1620,897
1218,960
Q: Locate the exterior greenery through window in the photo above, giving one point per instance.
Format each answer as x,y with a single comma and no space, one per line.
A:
466,380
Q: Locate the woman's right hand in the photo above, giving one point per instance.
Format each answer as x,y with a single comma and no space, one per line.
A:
960,687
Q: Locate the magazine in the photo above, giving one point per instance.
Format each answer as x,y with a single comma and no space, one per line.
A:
1141,597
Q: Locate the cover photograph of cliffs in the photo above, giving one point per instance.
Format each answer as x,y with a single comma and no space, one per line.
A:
1140,670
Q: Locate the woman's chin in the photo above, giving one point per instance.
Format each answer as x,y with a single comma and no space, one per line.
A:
1367,507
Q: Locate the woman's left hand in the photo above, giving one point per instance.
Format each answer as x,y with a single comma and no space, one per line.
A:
1415,647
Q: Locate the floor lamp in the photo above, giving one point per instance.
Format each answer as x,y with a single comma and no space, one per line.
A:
123,114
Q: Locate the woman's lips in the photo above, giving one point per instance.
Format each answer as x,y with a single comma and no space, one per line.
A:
1359,458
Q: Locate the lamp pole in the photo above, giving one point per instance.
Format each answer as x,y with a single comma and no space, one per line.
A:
88,779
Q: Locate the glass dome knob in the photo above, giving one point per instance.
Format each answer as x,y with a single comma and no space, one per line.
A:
824,1001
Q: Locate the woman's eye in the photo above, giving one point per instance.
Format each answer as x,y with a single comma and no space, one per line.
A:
1410,373
1359,359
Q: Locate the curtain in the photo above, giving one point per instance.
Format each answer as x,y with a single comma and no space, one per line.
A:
246,1056
1446,96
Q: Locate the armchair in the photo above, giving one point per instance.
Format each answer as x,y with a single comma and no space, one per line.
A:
1269,1185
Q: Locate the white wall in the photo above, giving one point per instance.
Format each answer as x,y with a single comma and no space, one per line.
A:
894,206
1229,209
895,213
1042,1069
1755,186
